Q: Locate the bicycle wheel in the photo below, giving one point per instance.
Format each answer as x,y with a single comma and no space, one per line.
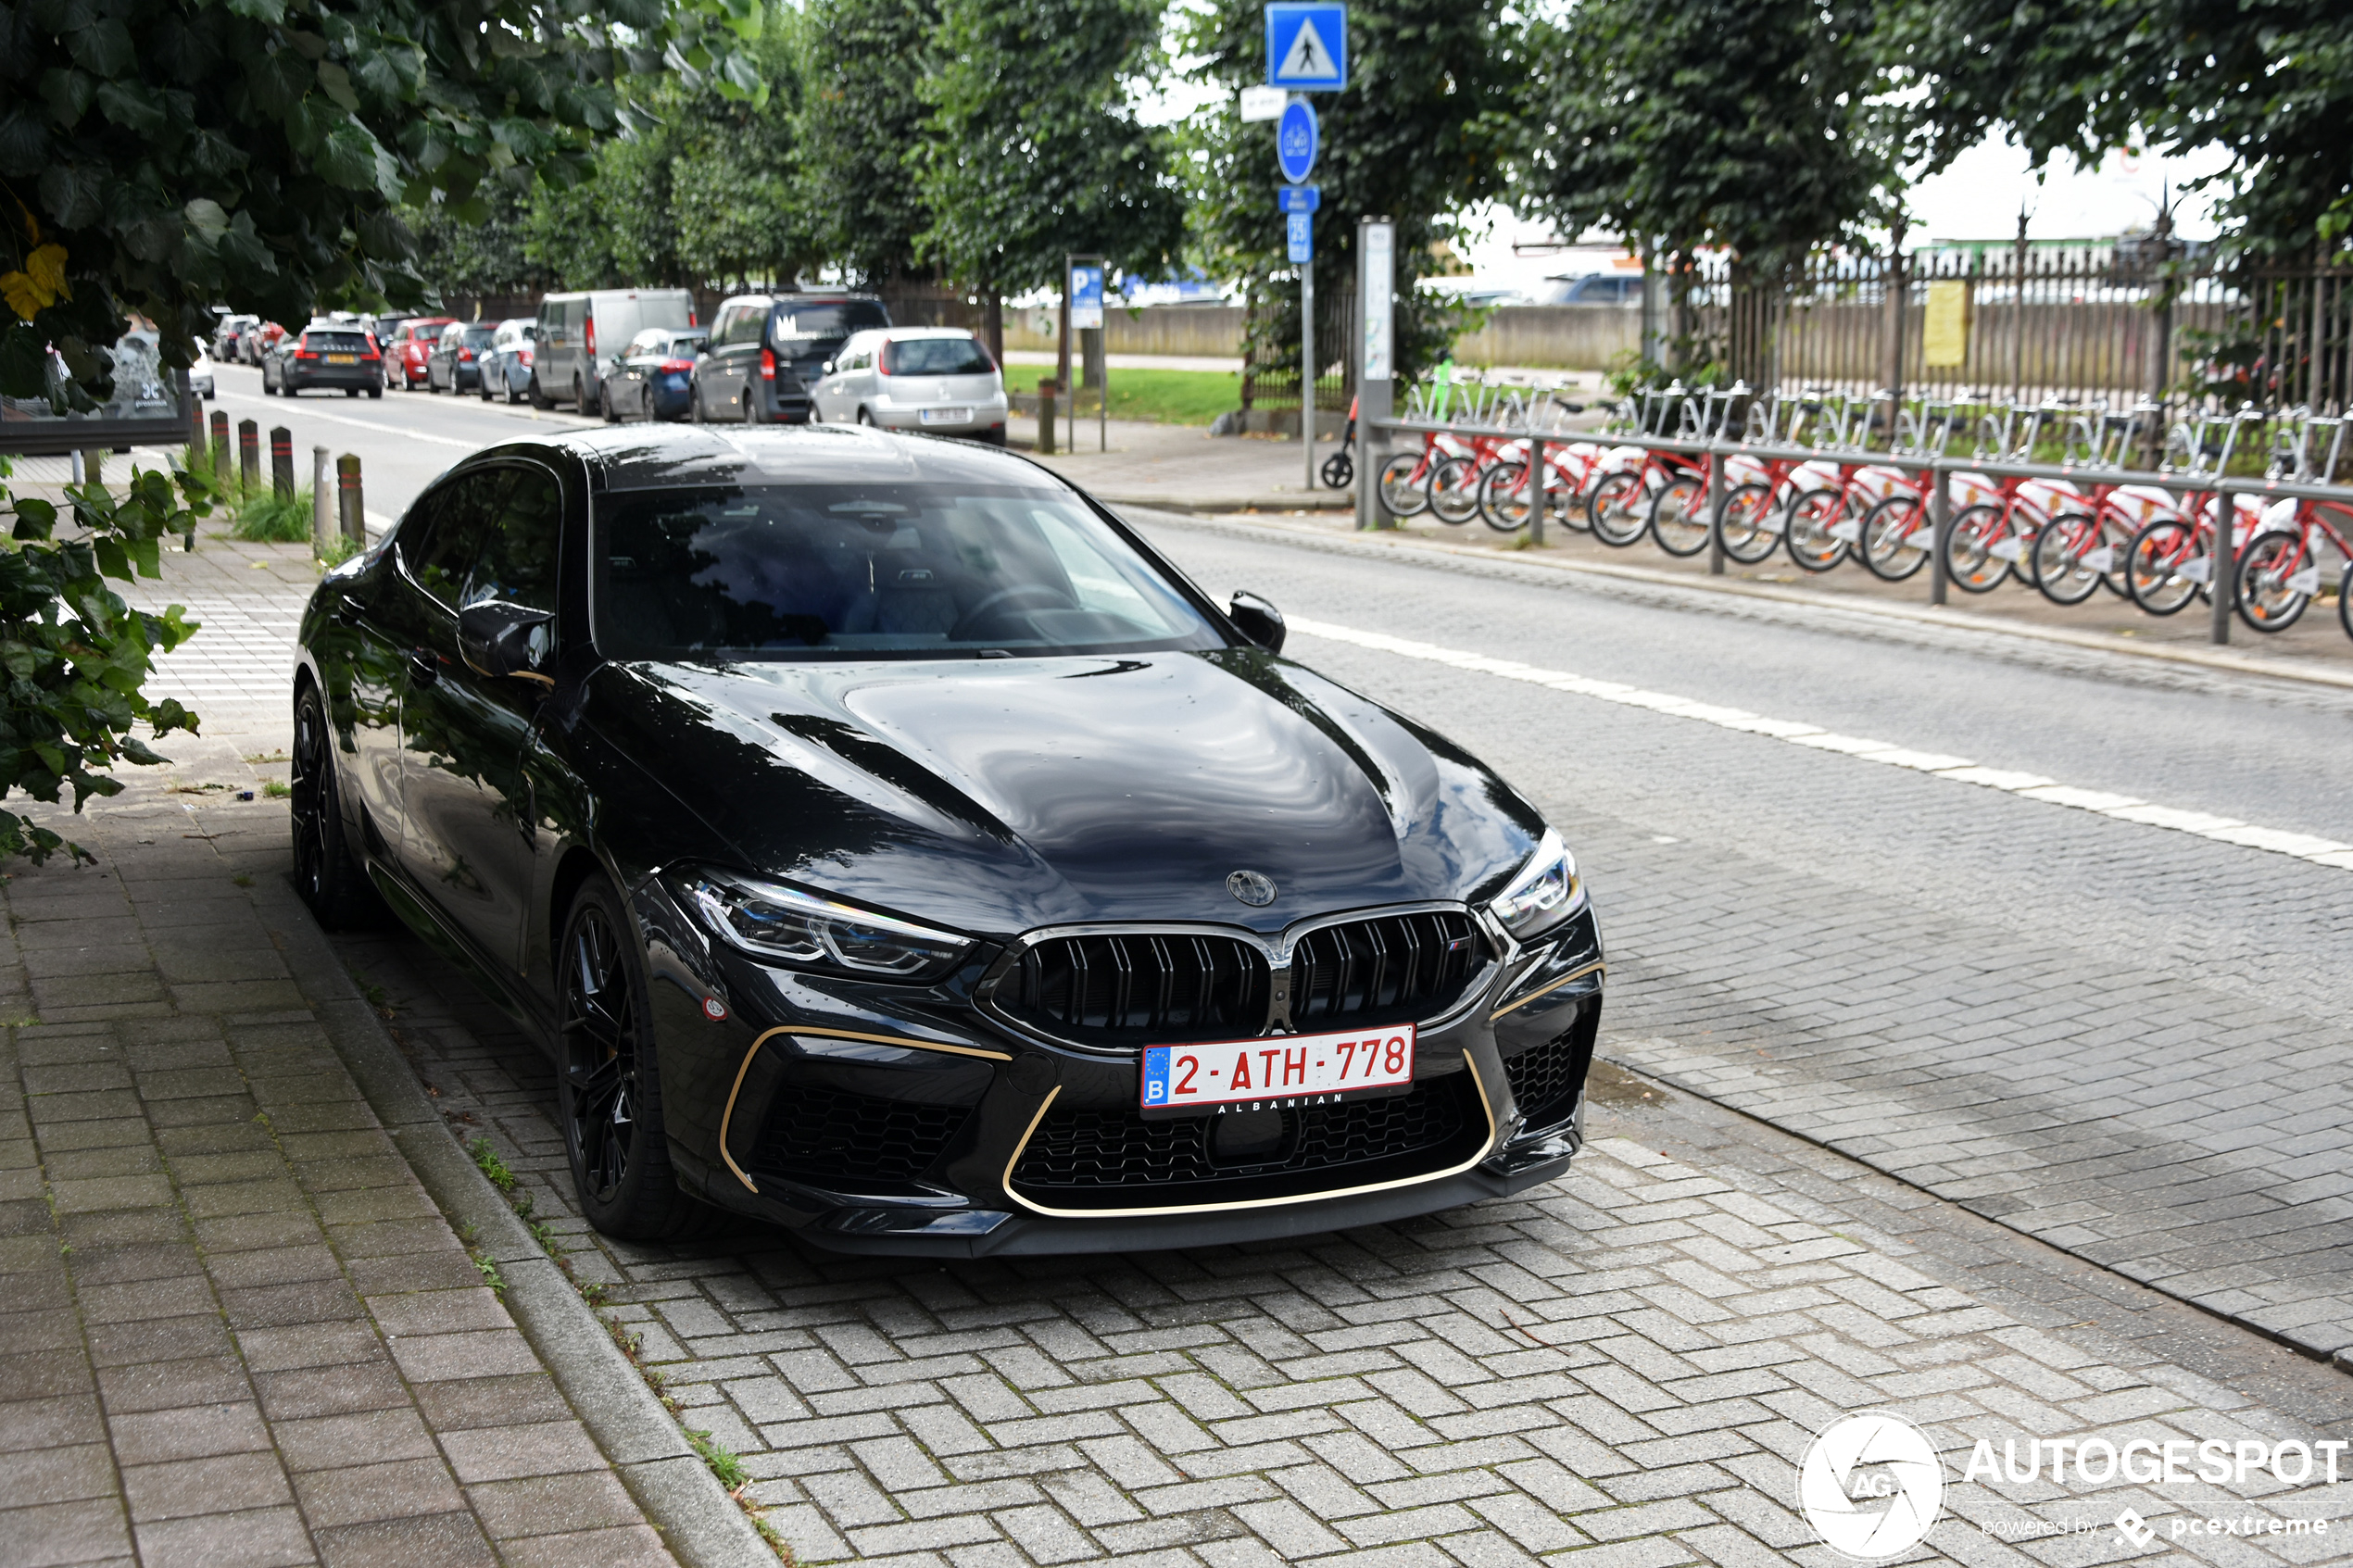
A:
2275,582
1895,539
1749,525
1617,509
1453,491
1679,516
2166,565
2345,600
1404,485
1339,472
2059,558
1971,564
1807,529
1506,497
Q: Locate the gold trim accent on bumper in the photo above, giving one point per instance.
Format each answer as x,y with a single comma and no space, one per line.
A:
728,1115
1484,1149
1598,966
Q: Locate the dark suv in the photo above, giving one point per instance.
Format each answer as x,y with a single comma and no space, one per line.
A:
767,350
325,354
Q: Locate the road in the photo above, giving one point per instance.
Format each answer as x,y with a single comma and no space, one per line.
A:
1913,1077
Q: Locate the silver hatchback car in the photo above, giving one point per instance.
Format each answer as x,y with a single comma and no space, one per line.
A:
939,380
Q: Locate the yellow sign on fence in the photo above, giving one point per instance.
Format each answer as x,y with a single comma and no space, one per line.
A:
1946,340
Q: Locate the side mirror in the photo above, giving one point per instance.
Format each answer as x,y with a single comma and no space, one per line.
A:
499,639
826,368
1258,620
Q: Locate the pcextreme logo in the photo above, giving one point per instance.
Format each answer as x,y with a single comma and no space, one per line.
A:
1871,1484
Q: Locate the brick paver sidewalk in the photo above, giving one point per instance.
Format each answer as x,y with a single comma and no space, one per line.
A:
236,1330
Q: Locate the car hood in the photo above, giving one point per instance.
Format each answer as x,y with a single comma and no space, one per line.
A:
997,797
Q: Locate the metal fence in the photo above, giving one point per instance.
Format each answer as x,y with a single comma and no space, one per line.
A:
1270,347
2120,322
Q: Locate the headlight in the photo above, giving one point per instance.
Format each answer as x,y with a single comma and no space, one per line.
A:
769,921
1544,893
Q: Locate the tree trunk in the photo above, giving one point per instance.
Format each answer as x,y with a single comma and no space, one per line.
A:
994,324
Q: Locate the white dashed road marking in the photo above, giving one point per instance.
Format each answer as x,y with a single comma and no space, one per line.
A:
2031,787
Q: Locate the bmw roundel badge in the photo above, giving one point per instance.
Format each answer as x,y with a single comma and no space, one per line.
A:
1250,888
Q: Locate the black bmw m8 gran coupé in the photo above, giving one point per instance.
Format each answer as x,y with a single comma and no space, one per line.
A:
887,843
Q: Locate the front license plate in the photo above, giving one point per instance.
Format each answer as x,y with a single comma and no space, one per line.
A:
1278,1070
343,358
946,416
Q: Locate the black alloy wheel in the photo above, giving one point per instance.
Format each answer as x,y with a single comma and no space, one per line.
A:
609,1093
326,873
752,407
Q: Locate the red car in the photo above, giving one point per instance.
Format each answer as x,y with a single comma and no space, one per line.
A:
255,344
412,342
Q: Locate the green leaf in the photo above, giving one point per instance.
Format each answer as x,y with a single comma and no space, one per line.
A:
132,106
103,48
68,93
335,83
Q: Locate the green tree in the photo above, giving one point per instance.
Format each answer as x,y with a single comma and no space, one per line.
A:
2270,81
1034,150
478,255
1422,132
1752,125
861,129
167,155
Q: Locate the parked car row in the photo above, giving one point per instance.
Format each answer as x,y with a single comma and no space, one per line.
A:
638,354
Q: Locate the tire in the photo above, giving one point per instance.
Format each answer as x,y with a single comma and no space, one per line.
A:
1616,510
864,418
1453,491
376,391
579,396
326,873
1679,516
1968,565
2155,563
605,405
1750,526
608,1087
2345,600
2058,555
1401,494
538,395
1504,497
1805,529
2266,601
513,396
1339,472
1895,540
351,392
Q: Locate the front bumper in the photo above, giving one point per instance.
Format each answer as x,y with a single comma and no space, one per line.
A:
894,1120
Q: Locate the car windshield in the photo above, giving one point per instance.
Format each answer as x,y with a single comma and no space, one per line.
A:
826,323
478,336
837,572
335,343
937,356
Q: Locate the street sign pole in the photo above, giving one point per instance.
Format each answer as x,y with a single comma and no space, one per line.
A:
1306,51
1083,279
1376,264
1307,364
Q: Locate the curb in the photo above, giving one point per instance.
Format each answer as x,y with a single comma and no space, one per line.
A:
1336,501
648,1449
1946,619
2340,1359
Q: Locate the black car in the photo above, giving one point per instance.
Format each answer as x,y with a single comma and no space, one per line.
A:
887,843
338,358
768,350
455,362
655,378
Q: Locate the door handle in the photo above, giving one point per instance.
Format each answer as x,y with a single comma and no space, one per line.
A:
424,668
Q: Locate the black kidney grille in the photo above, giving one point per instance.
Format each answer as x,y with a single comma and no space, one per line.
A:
833,1133
1165,988
1096,1149
1389,970
1546,1080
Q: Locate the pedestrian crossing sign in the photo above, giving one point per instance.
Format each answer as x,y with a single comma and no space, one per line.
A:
1306,46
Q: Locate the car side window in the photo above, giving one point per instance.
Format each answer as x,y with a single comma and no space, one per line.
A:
459,517
520,547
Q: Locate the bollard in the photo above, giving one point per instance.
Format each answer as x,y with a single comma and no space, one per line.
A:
249,453
354,518
93,465
1715,503
282,462
1940,534
220,446
196,429
320,529
1536,476
1046,391
2223,586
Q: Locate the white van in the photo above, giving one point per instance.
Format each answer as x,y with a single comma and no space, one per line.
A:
582,336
